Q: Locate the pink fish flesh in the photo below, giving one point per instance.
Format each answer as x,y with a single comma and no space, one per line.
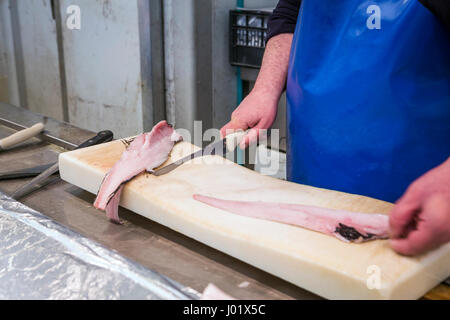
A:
344,225
145,153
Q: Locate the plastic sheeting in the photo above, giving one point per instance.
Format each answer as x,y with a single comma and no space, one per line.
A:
41,259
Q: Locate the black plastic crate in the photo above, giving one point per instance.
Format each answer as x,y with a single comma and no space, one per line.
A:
248,34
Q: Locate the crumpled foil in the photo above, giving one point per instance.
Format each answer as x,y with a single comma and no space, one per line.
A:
41,259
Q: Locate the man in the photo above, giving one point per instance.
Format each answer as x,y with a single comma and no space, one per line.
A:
368,106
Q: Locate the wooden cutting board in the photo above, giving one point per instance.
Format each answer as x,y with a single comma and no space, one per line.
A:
316,262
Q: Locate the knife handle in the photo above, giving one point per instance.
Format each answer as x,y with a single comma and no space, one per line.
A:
234,139
101,137
21,136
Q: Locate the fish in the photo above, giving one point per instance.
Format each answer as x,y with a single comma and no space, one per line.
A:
144,153
347,226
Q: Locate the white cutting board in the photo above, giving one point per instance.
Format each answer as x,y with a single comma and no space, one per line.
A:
319,263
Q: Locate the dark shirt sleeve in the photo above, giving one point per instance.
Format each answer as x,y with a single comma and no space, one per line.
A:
441,9
283,18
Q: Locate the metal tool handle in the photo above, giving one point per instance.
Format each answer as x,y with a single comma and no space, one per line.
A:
21,136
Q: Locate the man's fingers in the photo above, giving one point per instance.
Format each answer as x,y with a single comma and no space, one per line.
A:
431,230
402,216
250,138
417,242
232,126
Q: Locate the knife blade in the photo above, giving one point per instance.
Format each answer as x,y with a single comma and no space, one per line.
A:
206,151
101,137
221,147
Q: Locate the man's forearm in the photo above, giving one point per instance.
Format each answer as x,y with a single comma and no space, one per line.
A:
272,76
259,109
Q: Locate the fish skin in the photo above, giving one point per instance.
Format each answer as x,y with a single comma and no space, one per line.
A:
145,153
344,225
112,208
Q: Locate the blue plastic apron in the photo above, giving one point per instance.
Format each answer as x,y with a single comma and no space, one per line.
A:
368,96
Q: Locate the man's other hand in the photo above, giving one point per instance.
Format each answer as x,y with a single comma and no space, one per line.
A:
420,220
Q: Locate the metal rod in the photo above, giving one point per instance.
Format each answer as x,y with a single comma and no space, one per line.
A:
28,187
43,136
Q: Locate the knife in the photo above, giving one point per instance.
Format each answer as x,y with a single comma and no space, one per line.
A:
221,147
21,136
40,180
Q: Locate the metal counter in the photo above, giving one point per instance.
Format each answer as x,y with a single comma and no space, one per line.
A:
143,241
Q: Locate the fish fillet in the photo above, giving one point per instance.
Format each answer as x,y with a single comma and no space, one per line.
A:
145,153
344,225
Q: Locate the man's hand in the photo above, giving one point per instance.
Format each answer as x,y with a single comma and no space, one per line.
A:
257,111
420,220
259,108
